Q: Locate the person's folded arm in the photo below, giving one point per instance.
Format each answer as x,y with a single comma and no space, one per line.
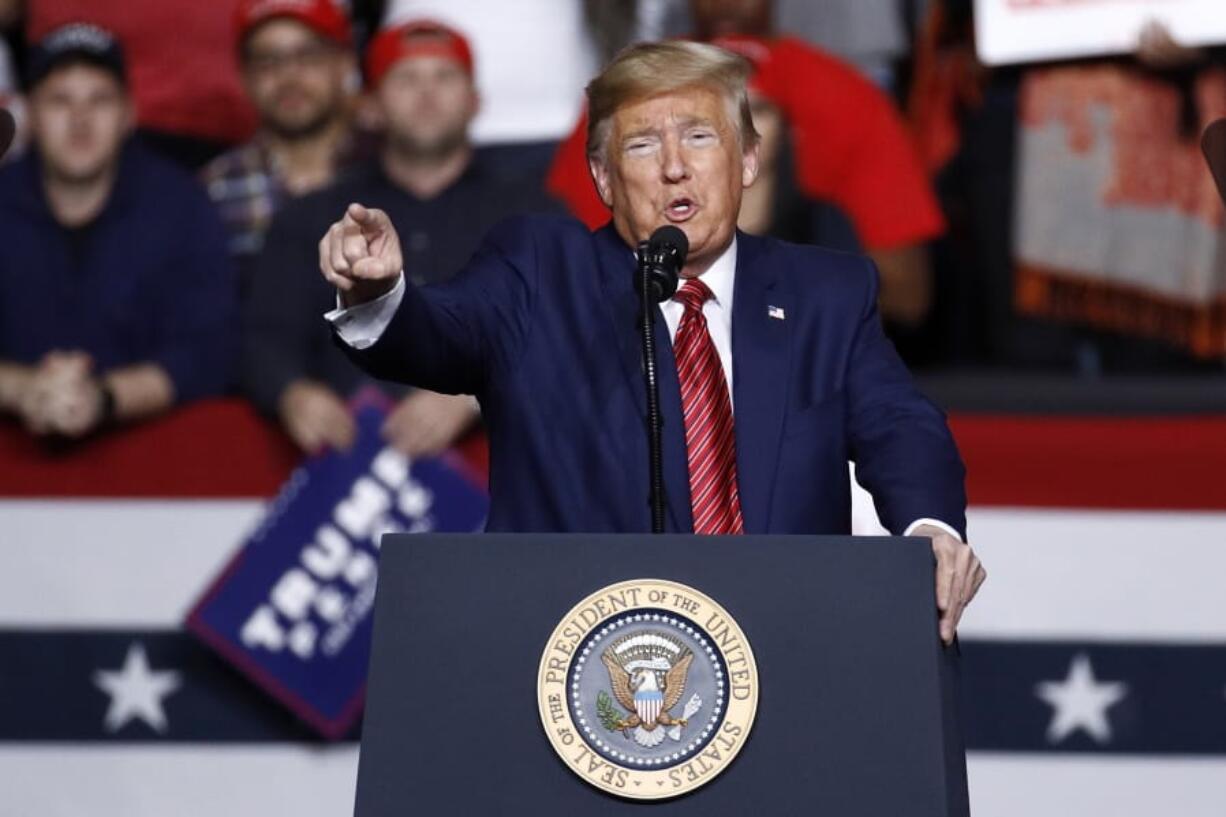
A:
137,391
15,379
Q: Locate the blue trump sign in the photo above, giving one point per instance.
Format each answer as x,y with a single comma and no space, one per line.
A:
292,610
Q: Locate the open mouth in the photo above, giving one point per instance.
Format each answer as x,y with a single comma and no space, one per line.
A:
680,209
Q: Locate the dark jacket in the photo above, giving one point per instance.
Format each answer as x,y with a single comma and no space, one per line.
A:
148,281
540,325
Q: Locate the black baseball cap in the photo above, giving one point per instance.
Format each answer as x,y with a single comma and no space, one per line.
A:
75,43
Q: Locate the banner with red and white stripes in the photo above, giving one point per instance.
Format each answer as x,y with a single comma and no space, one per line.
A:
1094,671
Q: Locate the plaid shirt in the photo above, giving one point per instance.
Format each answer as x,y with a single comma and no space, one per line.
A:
247,188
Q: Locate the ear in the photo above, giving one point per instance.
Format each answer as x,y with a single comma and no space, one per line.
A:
600,175
749,165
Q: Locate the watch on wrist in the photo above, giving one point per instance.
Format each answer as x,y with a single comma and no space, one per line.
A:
106,404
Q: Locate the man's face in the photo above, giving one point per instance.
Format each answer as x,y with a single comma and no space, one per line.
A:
427,103
717,18
676,159
79,118
295,78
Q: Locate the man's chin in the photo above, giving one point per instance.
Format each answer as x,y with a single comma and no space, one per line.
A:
299,126
81,173
434,146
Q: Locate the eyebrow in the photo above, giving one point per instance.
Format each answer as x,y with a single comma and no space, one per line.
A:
682,124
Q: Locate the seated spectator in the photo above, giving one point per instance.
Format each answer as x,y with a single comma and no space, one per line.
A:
297,64
116,296
848,148
426,178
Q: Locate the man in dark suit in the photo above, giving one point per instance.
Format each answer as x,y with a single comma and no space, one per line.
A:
774,369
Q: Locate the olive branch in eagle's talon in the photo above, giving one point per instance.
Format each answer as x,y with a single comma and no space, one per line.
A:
611,717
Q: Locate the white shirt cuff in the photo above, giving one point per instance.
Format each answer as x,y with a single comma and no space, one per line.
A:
363,324
936,523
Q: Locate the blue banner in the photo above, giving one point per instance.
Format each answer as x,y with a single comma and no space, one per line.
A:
293,609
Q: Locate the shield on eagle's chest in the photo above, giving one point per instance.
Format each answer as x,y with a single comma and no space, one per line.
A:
647,704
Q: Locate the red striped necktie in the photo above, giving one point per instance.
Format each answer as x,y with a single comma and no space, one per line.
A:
710,438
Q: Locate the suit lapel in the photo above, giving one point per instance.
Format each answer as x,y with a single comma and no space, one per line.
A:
761,361
616,262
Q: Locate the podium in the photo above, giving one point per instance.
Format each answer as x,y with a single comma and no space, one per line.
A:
856,700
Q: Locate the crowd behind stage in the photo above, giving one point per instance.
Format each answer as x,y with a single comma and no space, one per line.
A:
178,162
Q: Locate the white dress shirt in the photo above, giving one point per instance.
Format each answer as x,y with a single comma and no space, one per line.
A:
361,325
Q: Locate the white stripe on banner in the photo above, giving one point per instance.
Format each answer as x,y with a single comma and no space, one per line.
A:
113,563
1008,785
239,781
1099,575
183,781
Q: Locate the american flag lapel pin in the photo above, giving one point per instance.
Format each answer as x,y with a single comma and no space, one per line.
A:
776,312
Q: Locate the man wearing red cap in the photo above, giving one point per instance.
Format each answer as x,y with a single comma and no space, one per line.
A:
420,77
300,73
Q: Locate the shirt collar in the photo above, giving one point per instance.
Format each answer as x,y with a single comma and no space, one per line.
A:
720,276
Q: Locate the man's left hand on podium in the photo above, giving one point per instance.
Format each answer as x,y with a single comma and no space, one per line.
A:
959,575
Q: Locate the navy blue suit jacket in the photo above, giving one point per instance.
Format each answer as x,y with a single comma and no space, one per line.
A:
541,326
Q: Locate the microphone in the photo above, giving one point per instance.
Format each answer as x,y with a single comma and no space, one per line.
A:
8,129
660,259
662,256
1213,143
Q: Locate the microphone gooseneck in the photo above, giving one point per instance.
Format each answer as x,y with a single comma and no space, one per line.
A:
660,260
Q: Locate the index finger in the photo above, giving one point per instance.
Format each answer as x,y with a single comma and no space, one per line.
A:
371,221
367,218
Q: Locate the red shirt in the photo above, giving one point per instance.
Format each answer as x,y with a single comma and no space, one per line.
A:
181,58
851,149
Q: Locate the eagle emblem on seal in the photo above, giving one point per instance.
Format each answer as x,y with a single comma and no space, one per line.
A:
647,674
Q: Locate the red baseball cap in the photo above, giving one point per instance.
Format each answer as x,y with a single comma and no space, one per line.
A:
416,38
766,78
323,17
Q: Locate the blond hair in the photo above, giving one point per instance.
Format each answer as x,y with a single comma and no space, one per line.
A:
645,70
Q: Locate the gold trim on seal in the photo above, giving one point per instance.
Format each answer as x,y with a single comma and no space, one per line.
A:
627,780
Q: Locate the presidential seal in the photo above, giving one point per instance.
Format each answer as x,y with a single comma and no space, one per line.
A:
647,689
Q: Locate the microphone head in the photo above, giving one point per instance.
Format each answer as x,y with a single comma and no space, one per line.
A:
670,237
661,258
8,128
1213,143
